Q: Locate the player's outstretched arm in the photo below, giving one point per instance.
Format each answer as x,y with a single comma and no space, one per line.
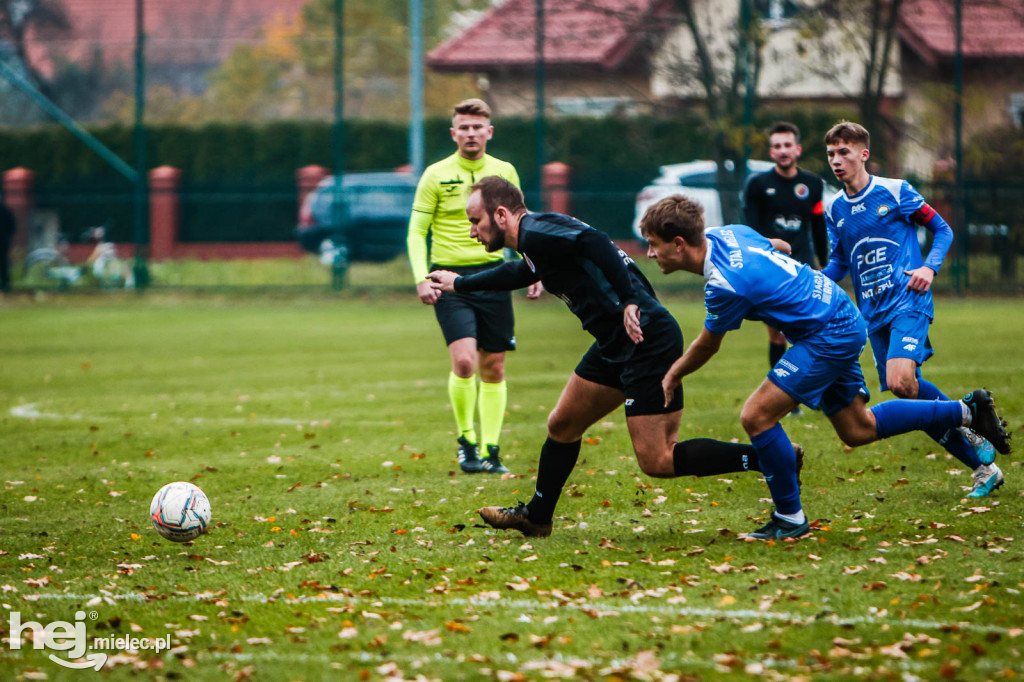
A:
506,277
696,356
440,280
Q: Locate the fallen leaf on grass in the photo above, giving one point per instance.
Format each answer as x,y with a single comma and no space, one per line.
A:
427,637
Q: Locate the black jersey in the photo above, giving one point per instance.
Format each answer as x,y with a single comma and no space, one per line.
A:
789,209
581,266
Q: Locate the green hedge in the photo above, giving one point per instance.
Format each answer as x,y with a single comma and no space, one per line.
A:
238,182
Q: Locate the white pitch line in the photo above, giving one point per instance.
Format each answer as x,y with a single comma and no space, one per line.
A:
30,411
531,605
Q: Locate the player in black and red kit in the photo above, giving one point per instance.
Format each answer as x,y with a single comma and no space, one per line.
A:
786,203
636,341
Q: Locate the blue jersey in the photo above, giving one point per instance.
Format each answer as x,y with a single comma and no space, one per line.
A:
747,279
873,237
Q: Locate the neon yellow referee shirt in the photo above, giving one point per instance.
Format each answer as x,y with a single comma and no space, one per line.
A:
440,208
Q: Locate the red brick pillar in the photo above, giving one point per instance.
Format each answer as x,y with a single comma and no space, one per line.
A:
18,184
306,180
164,211
554,180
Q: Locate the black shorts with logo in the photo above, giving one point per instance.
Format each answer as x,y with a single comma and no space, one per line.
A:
639,377
482,315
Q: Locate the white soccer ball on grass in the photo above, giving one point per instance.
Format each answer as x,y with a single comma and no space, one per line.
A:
180,511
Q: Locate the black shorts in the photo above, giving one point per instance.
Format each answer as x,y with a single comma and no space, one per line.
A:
482,315
639,377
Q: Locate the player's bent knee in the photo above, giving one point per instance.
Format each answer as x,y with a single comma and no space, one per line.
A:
562,428
754,423
856,437
656,464
464,367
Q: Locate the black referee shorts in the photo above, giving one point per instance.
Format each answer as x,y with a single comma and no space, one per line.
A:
639,377
482,315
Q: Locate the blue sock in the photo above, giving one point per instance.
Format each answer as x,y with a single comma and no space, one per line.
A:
950,439
894,417
778,463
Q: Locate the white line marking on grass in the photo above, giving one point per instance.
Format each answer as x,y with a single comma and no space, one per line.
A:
30,411
532,605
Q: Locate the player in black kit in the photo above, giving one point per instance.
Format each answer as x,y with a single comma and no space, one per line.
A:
636,341
786,203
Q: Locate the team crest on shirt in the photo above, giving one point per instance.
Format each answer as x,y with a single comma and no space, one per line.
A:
883,211
801,191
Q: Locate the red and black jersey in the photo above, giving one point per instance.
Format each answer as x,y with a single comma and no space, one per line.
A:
789,209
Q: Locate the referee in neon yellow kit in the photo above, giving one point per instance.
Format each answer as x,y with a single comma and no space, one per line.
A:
478,327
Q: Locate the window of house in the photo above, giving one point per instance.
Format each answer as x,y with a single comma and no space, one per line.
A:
776,13
1017,108
592,106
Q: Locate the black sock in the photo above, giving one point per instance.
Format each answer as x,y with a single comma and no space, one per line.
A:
707,457
775,353
557,461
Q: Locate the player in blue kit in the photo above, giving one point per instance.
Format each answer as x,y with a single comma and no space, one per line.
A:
747,279
872,225
635,341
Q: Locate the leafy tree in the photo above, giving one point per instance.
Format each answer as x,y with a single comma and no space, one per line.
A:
727,68
45,17
289,72
867,30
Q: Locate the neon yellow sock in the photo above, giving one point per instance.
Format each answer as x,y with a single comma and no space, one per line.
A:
492,410
462,394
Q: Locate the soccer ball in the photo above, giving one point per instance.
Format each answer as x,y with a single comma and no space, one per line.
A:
180,511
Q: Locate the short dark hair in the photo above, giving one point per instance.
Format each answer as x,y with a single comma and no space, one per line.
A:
472,107
848,131
496,191
675,216
784,127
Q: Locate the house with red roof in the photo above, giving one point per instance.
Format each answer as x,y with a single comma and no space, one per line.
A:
597,54
627,56
993,73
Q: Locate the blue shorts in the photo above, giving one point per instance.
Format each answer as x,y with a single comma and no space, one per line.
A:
823,371
904,337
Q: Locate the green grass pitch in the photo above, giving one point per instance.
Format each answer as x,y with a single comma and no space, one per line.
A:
345,544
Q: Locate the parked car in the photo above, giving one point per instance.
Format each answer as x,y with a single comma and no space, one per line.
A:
376,217
695,179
